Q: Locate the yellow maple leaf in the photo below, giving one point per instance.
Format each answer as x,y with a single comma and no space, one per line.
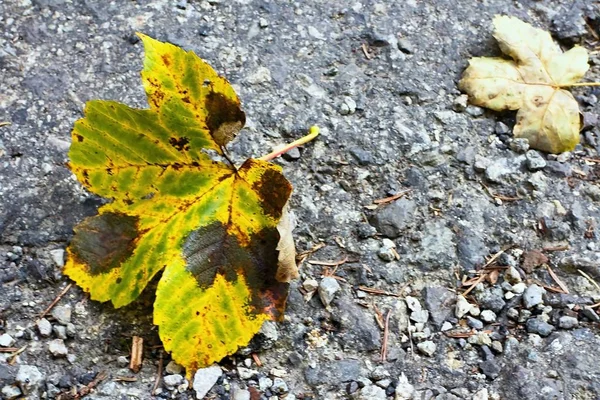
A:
219,234
532,82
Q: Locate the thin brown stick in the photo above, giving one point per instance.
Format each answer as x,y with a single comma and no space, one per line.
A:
557,248
158,373
329,263
589,278
5,123
56,300
365,50
595,305
377,291
454,334
558,281
256,360
378,317
8,349
385,337
392,198
477,281
13,357
137,351
125,379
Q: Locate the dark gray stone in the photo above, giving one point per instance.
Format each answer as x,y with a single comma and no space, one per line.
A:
440,303
535,325
492,299
391,220
471,248
333,372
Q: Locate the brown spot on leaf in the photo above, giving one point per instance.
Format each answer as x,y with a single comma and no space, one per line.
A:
214,249
224,118
105,241
274,191
79,137
179,143
166,60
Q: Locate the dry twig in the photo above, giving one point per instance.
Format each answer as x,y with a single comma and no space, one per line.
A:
256,360
558,281
158,373
385,337
377,291
137,350
56,300
589,278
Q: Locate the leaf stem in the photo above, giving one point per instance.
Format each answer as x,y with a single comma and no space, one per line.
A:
581,84
313,132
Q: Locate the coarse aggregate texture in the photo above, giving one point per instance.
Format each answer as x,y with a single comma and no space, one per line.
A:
379,78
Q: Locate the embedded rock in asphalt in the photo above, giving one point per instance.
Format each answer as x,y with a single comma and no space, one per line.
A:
29,378
333,372
439,301
392,219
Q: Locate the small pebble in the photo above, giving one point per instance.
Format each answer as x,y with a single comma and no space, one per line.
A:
171,368
519,288
488,316
427,347
60,331
421,316
57,348
535,161
246,373
279,386
328,287
310,285
122,361
6,340
536,325
62,314
567,322
474,323
171,381
10,392
512,275
462,307
533,296
413,303
519,145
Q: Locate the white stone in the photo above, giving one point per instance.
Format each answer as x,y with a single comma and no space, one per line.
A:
413,303
58,256
6,340
246,373
481,395
328,287
205,379
404,390
44,327
172,380
57,348
462,307
488,316
427,347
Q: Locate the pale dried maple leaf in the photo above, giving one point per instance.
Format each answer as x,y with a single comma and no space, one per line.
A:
532,82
